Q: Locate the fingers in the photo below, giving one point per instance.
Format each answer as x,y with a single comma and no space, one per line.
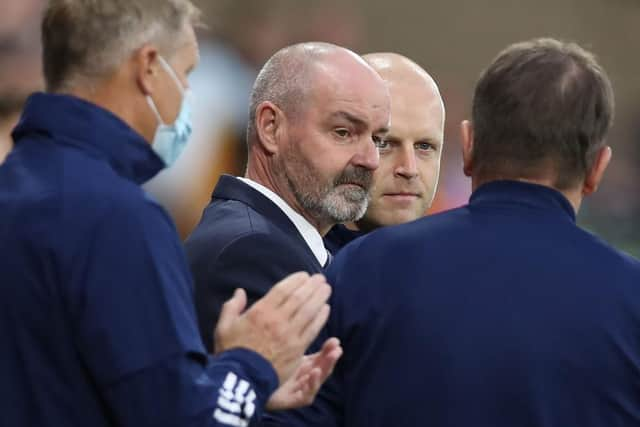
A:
325,360
314,383
232,309
313,371
329,345
315,375
282,290
314,327
309,387
303,304
305,367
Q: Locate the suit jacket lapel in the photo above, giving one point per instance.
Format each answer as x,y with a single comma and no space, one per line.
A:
231,188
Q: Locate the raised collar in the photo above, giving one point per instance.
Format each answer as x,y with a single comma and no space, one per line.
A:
523,194
72,121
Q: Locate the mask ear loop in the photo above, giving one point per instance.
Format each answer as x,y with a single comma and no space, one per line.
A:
155,110
169,69
176,80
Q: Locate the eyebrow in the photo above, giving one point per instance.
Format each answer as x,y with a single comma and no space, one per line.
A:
356,121
350,118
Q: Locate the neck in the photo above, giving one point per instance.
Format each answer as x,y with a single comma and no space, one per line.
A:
6,142
114,97
574,195
353,226
260,170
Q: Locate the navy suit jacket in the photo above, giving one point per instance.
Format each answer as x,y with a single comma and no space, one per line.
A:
244,240
502,313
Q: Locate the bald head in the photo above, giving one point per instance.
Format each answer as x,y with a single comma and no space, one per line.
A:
401,72
404,184
290,76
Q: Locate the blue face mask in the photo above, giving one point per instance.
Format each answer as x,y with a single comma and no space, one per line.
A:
170,140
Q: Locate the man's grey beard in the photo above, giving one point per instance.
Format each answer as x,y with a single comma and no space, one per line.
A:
329,202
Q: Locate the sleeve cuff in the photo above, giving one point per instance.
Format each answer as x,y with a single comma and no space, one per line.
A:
254,368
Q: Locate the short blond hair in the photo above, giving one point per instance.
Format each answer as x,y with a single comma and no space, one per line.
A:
88,39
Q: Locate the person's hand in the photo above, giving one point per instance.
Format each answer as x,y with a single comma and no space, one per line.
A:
281,325
301,389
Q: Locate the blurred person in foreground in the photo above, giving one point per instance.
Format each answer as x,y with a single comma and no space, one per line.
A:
243,34
20,75
20,70
503,312
317,112
405,182
96,307
11,103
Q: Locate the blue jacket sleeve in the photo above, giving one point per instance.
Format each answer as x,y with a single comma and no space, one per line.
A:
227,391
132,311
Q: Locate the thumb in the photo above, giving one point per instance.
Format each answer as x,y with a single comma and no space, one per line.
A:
232,309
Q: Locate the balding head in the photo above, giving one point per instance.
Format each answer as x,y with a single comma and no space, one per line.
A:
405,183
395,69
288,77
315,112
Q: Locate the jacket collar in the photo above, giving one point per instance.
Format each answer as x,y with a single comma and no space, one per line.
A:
339,236
231,188
72,121
523,194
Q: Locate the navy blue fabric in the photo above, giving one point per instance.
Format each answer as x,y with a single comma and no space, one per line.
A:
244,240
501,313
338,237
96,304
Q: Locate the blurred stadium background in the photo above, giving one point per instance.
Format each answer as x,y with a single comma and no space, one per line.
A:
454,40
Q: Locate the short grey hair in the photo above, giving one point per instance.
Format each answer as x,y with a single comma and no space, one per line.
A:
285,80
88,39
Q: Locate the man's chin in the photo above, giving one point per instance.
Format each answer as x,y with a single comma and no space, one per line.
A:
347,210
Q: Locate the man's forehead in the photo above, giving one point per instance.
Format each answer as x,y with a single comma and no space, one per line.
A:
416,95
361,112
416,109
361,100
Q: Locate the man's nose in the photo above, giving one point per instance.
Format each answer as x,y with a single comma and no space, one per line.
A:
406,165
367,156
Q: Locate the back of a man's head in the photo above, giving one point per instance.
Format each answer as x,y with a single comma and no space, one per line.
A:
540,111
84,40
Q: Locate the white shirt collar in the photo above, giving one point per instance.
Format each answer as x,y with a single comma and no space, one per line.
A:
309,232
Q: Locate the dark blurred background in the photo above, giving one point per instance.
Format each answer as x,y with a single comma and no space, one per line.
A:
453,40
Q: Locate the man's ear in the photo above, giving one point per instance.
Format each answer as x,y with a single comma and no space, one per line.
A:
466,139
269,122
596,172
147,68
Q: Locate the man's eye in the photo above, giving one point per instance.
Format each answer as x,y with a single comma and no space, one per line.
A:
380,143
342,133
425,146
